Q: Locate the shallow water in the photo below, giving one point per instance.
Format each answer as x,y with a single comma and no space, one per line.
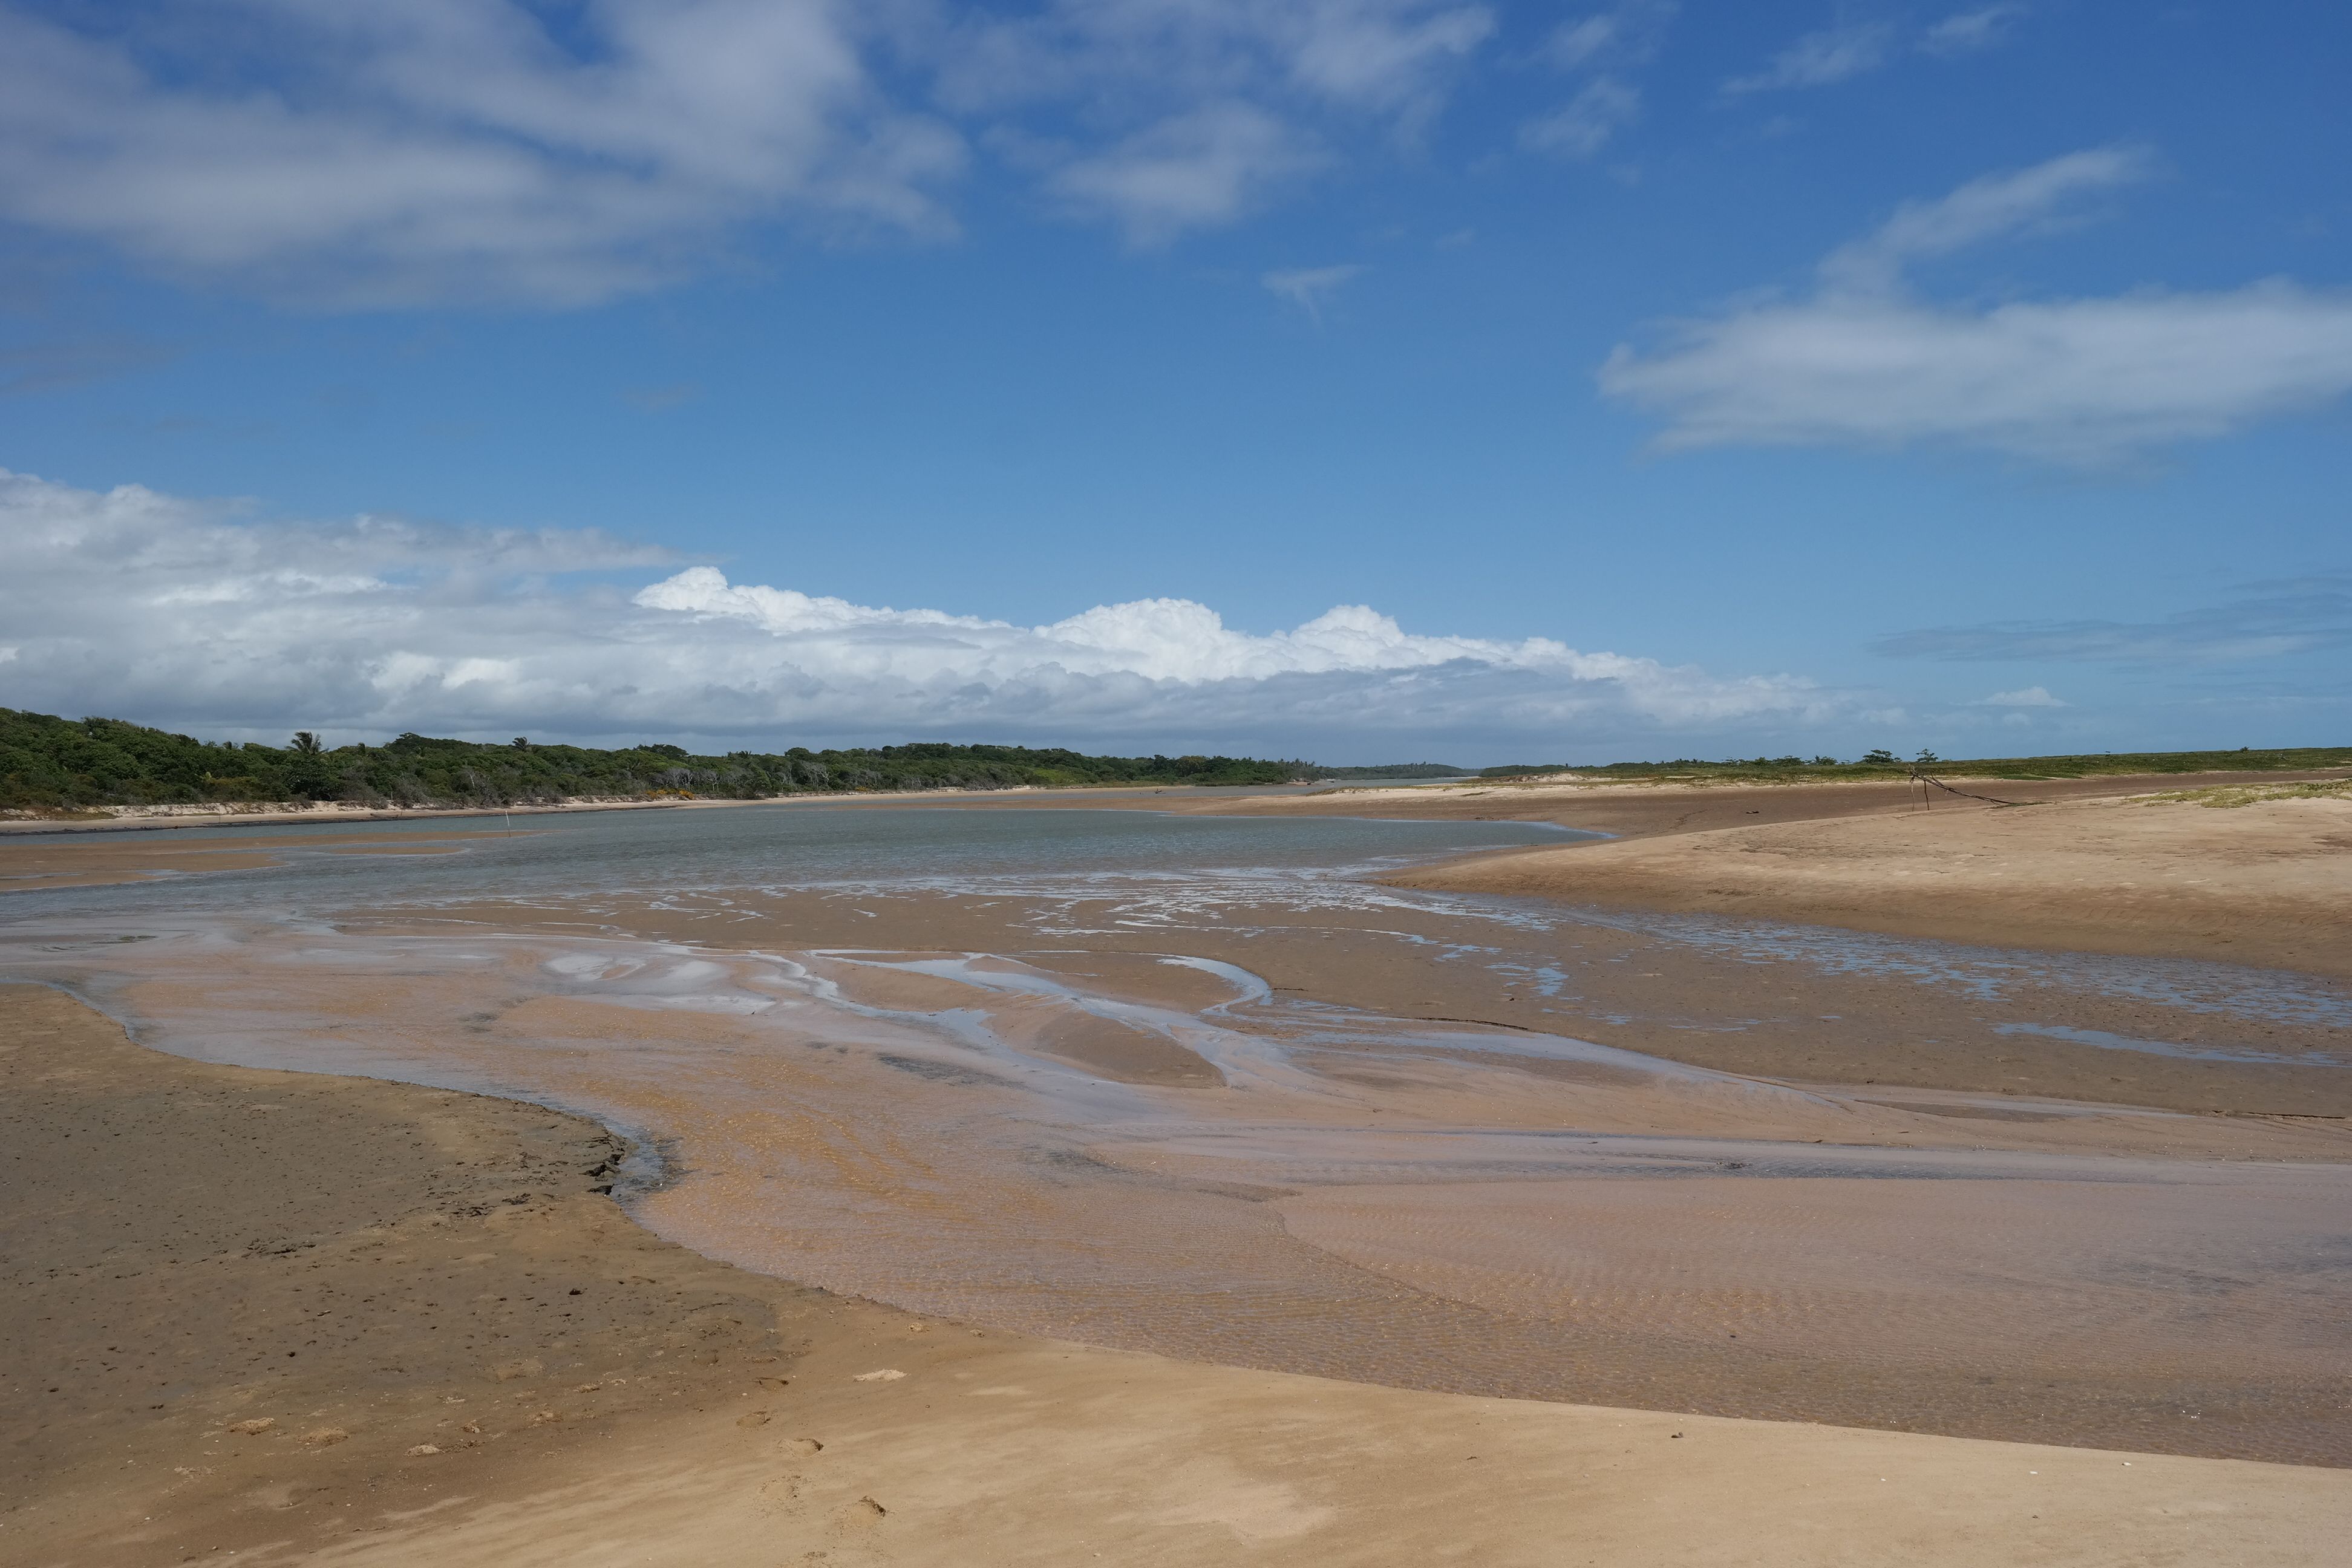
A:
1147,1144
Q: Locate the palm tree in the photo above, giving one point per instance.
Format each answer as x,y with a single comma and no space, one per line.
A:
306,744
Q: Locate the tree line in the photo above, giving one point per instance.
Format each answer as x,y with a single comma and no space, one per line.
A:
52,763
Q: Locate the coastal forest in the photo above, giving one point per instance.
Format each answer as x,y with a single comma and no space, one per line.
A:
47,763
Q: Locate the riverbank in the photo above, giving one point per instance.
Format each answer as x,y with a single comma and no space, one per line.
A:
491,1363
275,814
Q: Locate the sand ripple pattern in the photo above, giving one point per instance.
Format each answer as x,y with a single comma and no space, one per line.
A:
1166,1154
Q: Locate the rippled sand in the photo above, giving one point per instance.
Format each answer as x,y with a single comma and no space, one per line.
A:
1158,1149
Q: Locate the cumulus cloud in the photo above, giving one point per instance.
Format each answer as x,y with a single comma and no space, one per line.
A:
149,606
403,153
426,151
2081,382
1819,58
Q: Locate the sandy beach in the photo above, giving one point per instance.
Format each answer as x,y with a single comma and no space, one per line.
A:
450,1396
2268,884
1222,1216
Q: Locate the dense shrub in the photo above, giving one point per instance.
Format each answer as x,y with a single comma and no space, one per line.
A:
51,762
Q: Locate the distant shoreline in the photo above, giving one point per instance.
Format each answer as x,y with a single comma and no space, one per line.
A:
279,814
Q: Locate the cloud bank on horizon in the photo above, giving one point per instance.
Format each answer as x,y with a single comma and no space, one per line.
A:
170,612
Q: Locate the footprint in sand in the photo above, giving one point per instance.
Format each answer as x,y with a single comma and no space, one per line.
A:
802,1447
752,1418
864,1511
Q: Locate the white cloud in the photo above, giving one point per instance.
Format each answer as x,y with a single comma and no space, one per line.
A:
1378,55
1968,32
1305,287
143,606
401,154
424,152
2081,382
1196,111
2031,697
1980,210
1606,103
1204,167
1818,59
1629,34
1583,125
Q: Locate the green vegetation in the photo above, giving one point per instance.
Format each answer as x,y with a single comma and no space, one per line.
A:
49,763
2254,795
1886,764
1396,771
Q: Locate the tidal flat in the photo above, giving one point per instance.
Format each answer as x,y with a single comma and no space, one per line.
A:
1214,1092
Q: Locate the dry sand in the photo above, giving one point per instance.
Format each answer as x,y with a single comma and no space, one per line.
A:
172,1230
2268,884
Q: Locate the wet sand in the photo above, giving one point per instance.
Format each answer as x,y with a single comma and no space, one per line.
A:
1299,1183
1459,1146
172,1229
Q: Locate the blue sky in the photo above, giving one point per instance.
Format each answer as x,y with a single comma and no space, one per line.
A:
1657,379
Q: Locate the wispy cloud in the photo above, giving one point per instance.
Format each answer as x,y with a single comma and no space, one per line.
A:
1583,125
1609,45
50,365
1204,167
1193,114
378,625
1628,34
1980,210
2079,381
2026,697
2273,620
1969,32
1853,49
655,399
1818,59
1305,287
